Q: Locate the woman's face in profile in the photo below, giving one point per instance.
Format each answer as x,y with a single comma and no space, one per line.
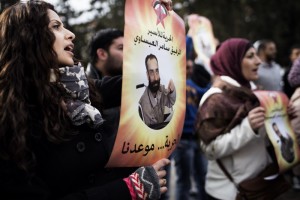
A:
63,45
250,65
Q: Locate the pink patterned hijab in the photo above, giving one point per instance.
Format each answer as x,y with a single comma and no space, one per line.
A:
228,59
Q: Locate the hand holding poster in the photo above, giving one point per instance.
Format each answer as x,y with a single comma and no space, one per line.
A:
153,89
279,129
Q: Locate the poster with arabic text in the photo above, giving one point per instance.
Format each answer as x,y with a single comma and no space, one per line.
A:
279,128
153,87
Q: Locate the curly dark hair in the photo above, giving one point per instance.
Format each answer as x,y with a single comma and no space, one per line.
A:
26,57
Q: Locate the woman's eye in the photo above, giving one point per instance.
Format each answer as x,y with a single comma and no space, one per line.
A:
55,26
250,56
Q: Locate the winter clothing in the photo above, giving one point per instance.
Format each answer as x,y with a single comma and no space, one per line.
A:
74,85
92,72
237,146
294,74
73,169
270,76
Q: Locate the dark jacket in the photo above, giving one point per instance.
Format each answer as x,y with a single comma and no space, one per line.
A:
92,72
73,169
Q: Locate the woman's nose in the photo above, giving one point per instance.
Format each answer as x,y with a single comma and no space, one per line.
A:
258,60
70,35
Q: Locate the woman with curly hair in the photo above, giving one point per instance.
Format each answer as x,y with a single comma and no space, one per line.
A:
52,141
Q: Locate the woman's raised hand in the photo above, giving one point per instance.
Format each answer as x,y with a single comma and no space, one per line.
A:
256,118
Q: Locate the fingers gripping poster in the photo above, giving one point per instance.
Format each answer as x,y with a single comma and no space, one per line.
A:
153,87
279,128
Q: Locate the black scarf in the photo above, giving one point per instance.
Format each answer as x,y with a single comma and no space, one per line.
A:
78,106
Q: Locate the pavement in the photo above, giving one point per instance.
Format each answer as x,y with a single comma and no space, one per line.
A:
291,194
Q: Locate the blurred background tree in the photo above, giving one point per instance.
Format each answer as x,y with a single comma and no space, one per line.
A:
254,20
251,19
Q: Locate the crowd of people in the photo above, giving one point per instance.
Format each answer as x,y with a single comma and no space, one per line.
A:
59,119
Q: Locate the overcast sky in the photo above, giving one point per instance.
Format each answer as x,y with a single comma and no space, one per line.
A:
79,6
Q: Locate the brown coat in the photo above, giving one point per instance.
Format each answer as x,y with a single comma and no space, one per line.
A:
223,111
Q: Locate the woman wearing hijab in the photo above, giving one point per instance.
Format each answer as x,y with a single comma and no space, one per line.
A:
230,120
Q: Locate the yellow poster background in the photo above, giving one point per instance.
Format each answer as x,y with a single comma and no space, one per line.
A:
145,33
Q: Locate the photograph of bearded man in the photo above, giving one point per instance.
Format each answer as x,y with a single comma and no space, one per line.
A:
286,144
155,97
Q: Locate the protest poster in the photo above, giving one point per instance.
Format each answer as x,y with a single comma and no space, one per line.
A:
153,87
204,41
278,127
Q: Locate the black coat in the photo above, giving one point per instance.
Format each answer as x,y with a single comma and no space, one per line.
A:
92,72
73,169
